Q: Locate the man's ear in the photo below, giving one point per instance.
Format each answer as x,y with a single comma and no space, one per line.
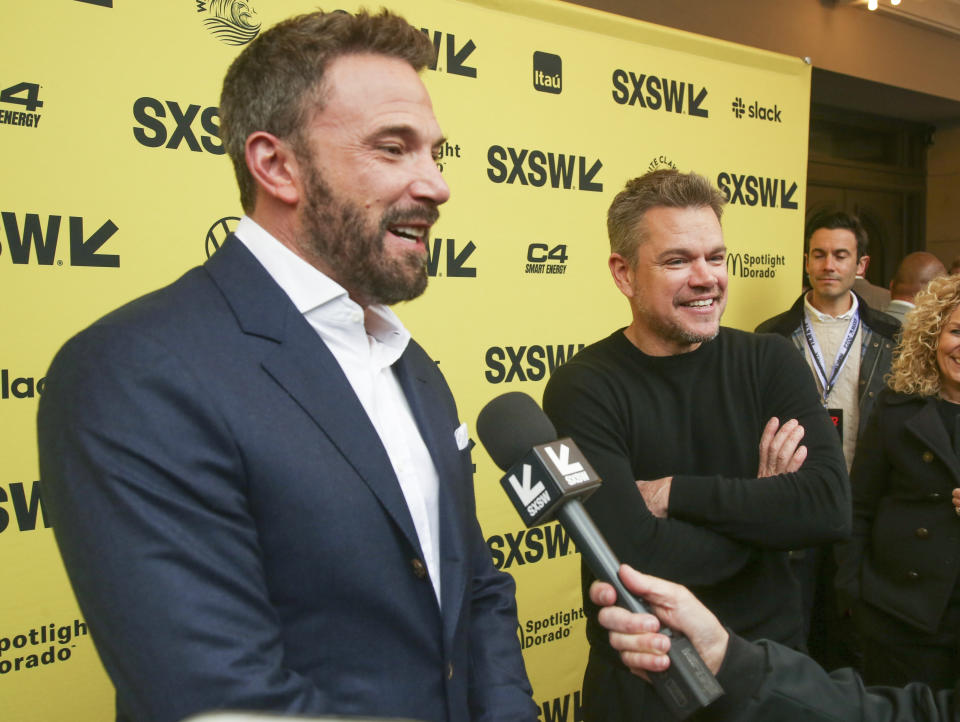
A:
622,273
862,263
274,167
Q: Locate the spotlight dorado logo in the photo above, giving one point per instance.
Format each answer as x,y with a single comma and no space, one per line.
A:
230,21
746,265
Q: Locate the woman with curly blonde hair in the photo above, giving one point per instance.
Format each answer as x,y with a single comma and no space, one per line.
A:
900,572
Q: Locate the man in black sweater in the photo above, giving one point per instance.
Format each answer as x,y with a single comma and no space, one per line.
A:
703,484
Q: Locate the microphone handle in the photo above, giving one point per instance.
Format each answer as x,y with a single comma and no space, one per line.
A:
687,685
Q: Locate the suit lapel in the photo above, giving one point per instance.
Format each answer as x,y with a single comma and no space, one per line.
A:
425,400
304,367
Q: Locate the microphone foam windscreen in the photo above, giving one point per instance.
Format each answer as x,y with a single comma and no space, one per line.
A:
510,425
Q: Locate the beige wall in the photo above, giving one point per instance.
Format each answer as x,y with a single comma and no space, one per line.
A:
843,39
943,195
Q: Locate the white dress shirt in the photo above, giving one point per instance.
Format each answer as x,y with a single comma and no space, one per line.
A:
366,343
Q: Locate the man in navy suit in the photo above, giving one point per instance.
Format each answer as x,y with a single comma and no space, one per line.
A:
258,481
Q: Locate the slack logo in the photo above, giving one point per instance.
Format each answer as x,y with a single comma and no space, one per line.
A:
547,72
756,111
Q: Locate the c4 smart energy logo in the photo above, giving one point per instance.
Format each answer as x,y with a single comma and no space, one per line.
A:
233,22
546,259
218,233
19,104
547,72
771,114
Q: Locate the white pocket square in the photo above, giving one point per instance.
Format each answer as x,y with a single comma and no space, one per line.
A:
461,436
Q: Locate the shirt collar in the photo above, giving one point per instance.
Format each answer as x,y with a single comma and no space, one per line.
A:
820,316
312,291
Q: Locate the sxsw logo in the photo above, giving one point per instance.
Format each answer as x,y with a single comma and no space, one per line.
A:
26,507
756,111
455,261
43,239
656,92
456,54
538,168
525,363
547,72
751,190
529,546
526,490
571,471
157,128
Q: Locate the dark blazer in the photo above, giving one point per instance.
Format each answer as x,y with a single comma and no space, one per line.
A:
904,556
765,681
878,334
234,530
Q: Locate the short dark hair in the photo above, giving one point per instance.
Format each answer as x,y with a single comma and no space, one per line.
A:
839,220
277,81
666,188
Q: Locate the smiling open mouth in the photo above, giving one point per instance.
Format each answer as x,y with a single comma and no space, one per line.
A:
410,233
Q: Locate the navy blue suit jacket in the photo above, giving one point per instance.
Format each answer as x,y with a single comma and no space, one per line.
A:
234,531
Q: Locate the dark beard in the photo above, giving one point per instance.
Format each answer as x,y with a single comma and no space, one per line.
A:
338,234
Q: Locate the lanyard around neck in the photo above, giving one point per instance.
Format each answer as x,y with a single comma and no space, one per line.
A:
819,366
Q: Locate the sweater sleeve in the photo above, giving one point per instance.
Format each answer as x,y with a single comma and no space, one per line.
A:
590,411
786,511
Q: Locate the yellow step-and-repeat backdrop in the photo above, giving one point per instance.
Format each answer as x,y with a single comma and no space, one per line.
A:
115,182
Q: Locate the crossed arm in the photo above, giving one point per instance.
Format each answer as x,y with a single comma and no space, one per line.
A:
780,453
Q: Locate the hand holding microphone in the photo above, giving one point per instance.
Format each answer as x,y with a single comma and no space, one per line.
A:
545,479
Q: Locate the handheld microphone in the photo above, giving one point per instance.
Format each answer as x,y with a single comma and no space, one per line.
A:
545,479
